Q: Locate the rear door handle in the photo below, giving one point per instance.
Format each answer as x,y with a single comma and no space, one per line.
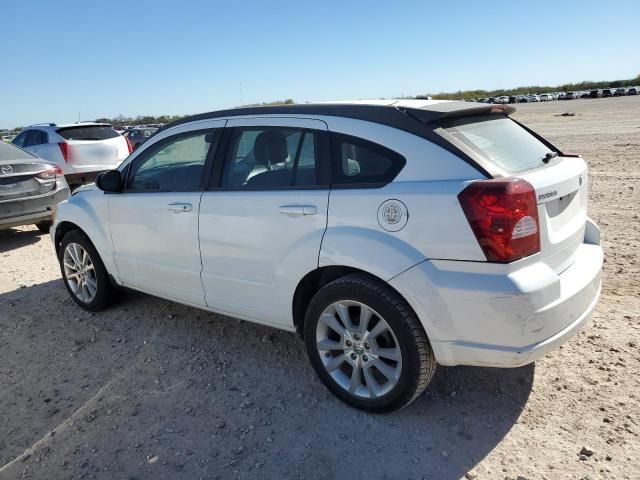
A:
298,210
179,207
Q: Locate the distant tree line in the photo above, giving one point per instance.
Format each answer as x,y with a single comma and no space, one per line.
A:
567,87
121,120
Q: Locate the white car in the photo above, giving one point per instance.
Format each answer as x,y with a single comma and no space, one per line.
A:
81,150
392,235
545,97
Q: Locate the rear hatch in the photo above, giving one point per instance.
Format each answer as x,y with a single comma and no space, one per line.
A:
98,146
507,149
19,172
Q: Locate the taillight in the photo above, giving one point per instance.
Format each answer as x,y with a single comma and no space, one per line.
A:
65,150
504,218
129,145
50,174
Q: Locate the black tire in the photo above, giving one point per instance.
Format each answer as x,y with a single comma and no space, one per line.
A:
44,226
418,362
104,291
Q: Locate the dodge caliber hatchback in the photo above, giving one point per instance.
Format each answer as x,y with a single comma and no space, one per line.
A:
392,236
81,150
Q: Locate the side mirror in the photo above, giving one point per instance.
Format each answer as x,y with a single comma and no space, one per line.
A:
109,181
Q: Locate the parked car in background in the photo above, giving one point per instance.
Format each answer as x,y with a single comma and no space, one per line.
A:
596,93
633,91
81,150
545,97
570,96
137,136
30,189
620,92
533,98
503,100
585,94
312,218
607,92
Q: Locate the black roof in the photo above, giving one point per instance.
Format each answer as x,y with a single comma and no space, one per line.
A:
398,115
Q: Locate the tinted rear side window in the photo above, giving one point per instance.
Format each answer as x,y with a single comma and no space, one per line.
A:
500,140
92,132
359,161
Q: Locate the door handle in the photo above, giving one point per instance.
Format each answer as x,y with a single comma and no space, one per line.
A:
179,207
298,210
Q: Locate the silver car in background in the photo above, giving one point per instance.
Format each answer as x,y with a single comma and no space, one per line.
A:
30,189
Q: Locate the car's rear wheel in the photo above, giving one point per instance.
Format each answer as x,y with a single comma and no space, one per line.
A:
367,345
83,272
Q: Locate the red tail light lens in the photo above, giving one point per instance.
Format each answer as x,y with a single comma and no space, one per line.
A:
129,145
504,218
50,174
66,151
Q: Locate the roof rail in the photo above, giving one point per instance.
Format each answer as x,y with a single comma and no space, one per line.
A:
46,124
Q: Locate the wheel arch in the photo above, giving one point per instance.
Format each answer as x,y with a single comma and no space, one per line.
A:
62,229
314,280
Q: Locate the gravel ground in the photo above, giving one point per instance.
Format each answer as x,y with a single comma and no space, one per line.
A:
152,389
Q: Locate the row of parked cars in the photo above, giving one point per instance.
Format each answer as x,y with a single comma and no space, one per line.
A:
41,165
551,96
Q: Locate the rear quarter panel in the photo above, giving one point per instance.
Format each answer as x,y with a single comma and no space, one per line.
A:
427,186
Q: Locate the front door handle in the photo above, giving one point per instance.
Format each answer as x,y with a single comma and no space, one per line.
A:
179,207
298,210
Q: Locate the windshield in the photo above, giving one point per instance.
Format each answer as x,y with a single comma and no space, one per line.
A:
499,140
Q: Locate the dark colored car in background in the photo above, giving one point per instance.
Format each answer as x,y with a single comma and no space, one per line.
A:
137,136
30,189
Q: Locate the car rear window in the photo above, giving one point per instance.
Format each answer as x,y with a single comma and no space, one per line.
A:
90,132
9,152
500,140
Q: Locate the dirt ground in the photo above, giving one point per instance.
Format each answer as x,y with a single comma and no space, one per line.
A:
152,389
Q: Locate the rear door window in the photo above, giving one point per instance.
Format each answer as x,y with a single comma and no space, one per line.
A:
87,132
270,158
500,140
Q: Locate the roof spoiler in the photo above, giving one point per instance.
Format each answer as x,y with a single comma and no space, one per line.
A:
444,111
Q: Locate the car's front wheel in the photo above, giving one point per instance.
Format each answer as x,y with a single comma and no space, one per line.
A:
367,345
83,272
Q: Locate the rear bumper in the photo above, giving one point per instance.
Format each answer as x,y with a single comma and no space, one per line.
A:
82,178
502,316
26,211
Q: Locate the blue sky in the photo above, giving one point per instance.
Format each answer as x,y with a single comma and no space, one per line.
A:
63,58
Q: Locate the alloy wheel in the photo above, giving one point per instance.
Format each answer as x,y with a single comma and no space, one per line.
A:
358,349
80,273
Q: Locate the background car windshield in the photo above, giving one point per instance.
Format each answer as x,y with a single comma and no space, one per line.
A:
93,132
500,140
